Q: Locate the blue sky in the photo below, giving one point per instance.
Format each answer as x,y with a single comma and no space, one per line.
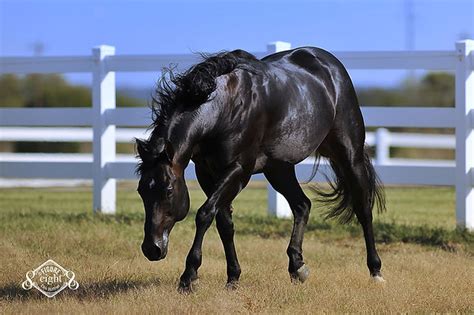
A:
148,27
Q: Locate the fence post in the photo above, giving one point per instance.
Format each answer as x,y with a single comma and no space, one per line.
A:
277,204
465,134
103,145
382,146
277,46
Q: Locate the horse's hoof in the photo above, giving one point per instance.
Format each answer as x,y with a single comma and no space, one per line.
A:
301,274
378,279
232,285
185,289
188,288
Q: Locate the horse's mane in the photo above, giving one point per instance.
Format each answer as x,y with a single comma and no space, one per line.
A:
193,87
189,90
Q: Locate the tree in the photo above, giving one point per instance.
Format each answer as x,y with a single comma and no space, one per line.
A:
437,89
11,91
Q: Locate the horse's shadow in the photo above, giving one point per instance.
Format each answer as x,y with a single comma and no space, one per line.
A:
86,291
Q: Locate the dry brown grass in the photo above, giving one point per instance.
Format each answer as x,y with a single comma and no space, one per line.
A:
418,280
114,276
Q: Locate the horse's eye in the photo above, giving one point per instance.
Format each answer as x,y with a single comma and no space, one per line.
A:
151,184
169,191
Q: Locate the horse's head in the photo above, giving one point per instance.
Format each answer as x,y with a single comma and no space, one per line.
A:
164,194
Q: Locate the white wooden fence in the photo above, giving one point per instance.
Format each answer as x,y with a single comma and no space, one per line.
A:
382,140
105,168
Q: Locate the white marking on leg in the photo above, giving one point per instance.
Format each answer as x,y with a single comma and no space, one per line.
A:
378,279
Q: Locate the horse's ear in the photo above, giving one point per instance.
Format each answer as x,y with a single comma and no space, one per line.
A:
148,152
169,150
143,149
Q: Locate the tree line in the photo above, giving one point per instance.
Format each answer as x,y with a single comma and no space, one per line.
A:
50,90
434,89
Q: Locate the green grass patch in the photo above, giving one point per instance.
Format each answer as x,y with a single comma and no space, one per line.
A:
421,215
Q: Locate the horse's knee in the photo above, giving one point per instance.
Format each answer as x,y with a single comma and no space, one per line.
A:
205,215
225,225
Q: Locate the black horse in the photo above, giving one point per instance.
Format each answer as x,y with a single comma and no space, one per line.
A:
235,115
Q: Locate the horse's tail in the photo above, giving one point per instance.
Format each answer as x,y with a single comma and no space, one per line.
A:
341,199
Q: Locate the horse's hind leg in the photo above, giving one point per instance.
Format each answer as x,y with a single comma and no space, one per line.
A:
283,179
356,176
362,205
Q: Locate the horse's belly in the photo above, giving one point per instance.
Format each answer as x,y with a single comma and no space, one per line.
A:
293,146
295,139
292,150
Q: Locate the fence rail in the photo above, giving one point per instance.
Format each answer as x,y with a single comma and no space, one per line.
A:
104,117
382,139
374,116
380,60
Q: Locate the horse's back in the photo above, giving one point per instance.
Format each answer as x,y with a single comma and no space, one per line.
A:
309,58
281,107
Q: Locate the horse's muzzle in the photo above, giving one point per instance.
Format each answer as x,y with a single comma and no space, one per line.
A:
154,251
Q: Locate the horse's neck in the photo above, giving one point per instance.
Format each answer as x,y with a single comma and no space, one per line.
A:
184,135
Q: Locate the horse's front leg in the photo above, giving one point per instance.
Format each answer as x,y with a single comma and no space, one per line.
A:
227,189
225,227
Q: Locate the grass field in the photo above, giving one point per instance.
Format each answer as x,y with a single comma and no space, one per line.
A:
428,265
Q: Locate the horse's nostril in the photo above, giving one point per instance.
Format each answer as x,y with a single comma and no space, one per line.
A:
152,252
